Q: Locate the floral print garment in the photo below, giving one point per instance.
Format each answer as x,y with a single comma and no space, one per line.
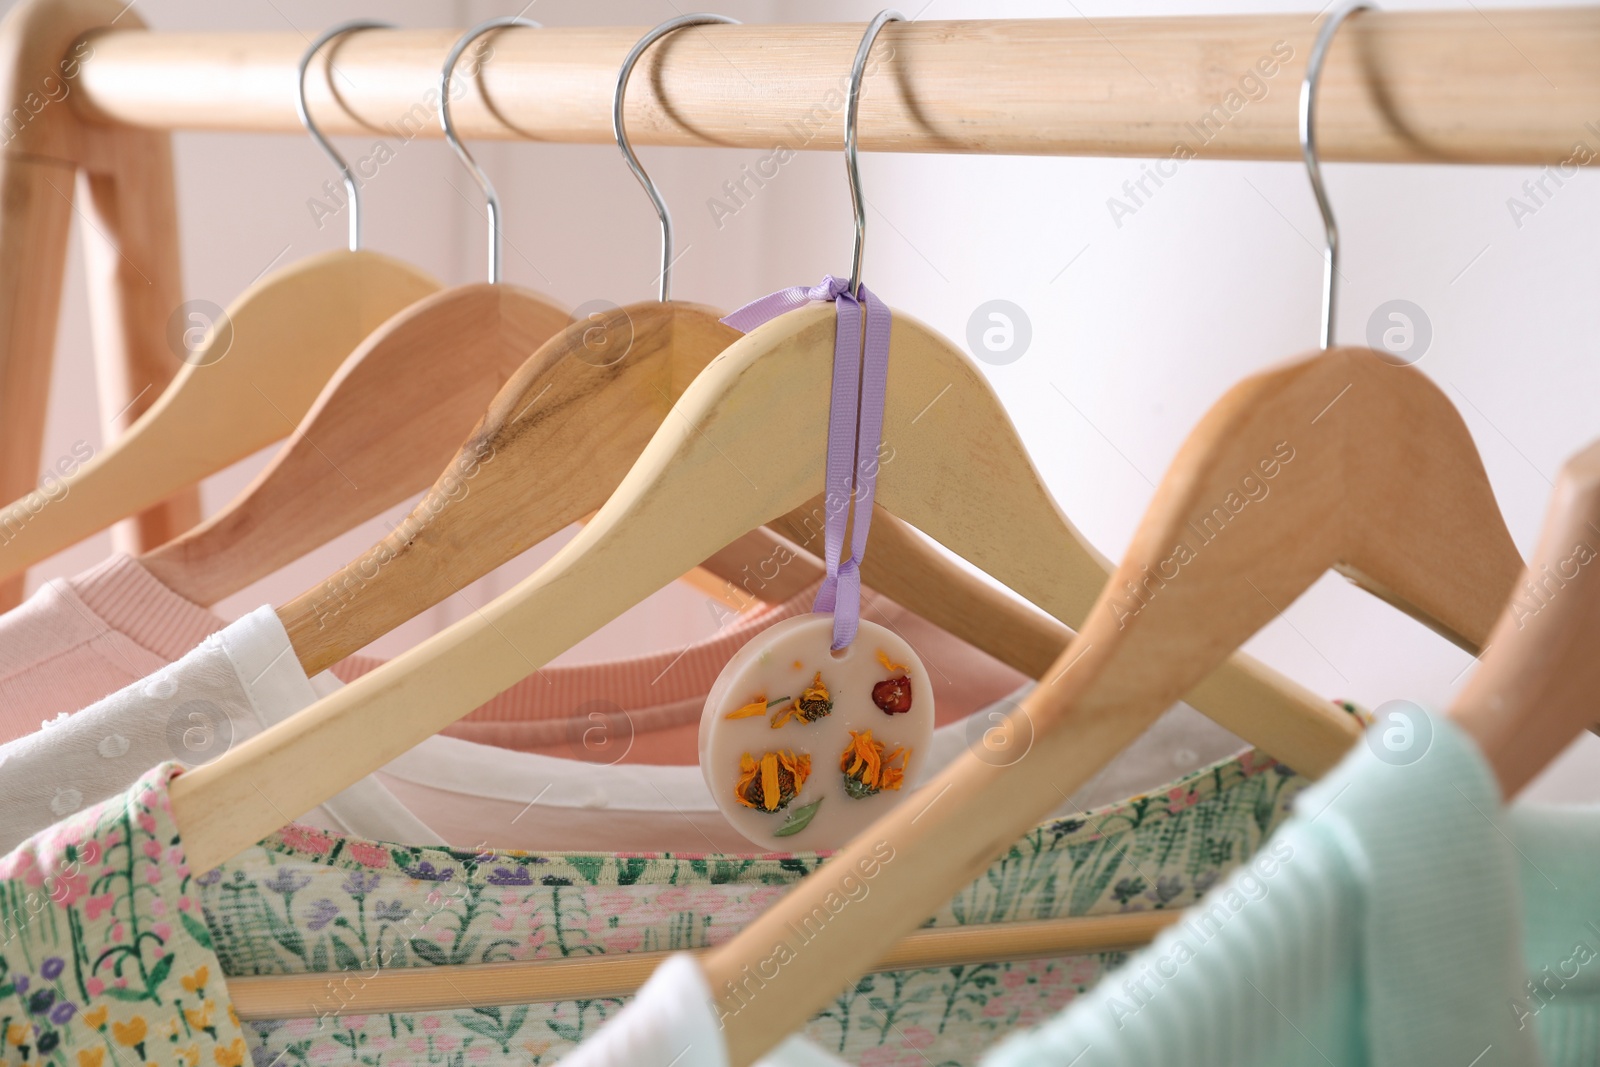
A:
115,954
309,901
105,958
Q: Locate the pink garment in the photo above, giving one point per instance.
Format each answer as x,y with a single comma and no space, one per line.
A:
660,695
80,639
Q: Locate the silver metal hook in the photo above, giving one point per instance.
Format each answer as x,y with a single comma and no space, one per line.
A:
352,190
620,131
1308,149
852,169
491,198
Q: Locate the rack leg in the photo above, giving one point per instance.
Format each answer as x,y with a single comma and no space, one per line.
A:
126,207
34,223
131,255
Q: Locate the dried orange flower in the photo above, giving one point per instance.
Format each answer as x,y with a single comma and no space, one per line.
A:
758,706
868,768
769,783
813,703
889,664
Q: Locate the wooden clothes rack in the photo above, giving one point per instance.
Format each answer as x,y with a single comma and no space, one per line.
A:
89,95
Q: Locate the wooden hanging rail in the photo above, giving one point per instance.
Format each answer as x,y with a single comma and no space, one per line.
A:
1476,85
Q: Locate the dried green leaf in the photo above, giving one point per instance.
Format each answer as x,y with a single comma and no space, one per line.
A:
799,819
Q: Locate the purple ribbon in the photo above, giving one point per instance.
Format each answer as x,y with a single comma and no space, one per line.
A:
855,429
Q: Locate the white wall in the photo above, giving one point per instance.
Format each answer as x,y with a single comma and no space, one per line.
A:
1137,327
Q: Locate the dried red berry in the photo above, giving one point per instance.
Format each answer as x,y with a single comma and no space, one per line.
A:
893,695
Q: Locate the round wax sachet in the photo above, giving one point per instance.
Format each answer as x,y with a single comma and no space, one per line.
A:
803,747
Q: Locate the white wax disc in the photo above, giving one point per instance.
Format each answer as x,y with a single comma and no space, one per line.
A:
803,748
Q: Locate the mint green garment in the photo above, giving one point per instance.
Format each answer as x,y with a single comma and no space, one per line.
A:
1560,997
1383,924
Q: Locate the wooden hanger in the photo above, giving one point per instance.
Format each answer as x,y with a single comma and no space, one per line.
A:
256,374
1534,689
1381,483
488,985
253,376
722,464
391,417
554,445
531,469
541,458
